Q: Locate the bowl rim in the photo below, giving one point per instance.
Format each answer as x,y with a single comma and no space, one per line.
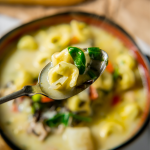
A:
99,17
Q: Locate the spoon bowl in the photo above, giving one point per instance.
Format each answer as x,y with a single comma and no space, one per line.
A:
43,86
96,65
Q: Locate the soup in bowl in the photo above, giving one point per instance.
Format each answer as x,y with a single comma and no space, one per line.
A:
107,115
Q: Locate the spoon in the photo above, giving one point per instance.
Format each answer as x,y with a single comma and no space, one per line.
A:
97,66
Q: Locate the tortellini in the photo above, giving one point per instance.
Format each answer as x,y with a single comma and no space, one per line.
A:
80,31
130,111
61,56
105,81
79,138
125,60
75,104
63,75
58,38
23,78
126,78
107,127
42,58
41,36
27,42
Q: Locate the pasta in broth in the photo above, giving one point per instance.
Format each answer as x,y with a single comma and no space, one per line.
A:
100,118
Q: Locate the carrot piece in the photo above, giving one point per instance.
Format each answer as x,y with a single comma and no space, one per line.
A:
93,93
46,99
110,67
74,40
14,108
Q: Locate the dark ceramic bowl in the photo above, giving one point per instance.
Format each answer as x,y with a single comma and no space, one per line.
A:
95,20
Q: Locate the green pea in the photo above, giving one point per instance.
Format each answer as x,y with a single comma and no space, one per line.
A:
36,98
79,58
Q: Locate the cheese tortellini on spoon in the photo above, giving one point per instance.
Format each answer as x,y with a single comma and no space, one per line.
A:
71,68
68,66
63,75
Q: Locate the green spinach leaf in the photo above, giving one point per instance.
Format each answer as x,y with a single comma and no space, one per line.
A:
95,53
79,58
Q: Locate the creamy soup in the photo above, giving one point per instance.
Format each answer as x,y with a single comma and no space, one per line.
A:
100,118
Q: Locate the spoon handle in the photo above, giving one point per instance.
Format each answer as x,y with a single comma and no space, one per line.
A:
25,91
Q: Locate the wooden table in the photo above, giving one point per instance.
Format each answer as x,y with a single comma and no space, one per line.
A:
127,13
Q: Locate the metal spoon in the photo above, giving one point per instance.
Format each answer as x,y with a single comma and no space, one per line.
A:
96,65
